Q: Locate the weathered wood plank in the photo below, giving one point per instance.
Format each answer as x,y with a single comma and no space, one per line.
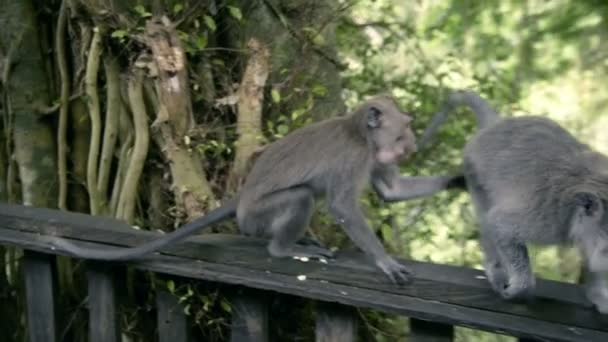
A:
219,247
249,316
39,289
398,304
172,321
351,271
427,331
335,323
446,294
104,325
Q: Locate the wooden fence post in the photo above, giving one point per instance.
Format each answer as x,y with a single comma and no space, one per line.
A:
39,289
172,321
335,323
103,314
249,316
427,331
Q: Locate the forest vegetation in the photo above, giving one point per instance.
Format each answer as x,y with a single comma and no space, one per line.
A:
151,111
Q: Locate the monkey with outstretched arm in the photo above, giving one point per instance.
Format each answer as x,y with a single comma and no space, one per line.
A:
532,182
334,159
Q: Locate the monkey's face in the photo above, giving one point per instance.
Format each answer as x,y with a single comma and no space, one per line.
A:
391,134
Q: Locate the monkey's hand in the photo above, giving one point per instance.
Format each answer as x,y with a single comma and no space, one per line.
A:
397,273
456,182
518,288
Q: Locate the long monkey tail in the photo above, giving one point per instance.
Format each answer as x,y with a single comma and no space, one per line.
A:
483,111
226,211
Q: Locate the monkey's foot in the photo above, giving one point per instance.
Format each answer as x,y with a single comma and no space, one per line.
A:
497,277
396,272
518,289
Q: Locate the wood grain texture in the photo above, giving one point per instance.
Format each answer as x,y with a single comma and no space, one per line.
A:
335,323
249,316
172,321
440,293
40,297
104,325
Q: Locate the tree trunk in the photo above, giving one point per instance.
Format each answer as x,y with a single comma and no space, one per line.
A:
28,91
301,35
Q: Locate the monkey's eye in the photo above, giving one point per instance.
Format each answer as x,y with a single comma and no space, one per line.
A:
399,138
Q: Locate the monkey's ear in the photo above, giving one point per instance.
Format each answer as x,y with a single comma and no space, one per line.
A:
589,202
373,117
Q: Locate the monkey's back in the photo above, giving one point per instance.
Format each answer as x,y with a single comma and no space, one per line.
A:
531,146
331,148
525,165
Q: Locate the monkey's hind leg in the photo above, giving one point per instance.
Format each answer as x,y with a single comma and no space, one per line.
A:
513,256
287,215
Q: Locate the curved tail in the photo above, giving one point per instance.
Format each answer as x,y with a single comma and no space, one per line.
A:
226,211
483,111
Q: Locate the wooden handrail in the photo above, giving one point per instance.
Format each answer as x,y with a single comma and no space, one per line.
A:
440,294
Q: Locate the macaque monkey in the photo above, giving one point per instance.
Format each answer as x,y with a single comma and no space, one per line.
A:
333,159
532,182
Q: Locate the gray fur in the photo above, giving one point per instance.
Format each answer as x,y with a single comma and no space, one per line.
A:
334,159
533,182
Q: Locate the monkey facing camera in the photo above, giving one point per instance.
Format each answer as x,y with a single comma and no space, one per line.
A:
532,182
334,159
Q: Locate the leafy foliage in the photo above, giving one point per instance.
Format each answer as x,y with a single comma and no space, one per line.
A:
541,57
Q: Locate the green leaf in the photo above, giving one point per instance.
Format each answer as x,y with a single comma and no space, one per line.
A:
178,8
187,310
218,62
141,10
226,306
119,34
235,12
276,96
210,23
282,129
387,233
201,42
320,90
297,113
319,40
171,286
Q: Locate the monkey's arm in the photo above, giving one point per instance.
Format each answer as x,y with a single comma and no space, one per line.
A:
346,210
226,211
392,187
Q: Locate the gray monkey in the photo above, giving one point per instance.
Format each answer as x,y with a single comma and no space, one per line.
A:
334,159
532,182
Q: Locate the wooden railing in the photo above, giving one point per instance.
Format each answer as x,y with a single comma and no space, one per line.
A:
439,298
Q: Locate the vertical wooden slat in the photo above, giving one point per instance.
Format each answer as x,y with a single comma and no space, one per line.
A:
103,314
249,316
335,323
39,289
172,321
426,331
